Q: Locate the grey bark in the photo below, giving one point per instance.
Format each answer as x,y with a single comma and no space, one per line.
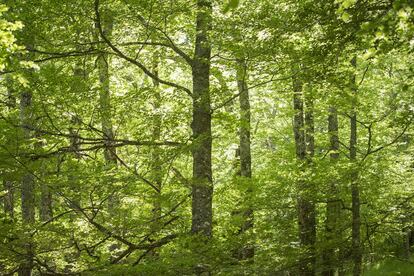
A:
27,183
27,186
156,167
333,208
103,62
105,95
356,217
202,186
8,184
306,208
247,251
46,210
75,200
78,74
309,125
8,200
407,236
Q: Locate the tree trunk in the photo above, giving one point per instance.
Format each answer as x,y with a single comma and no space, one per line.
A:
102,62
156,167
27,184
46,210
309,126
333,208
247,251
79,76
28,180
306,208
407,234
105,95
8,200
356,219
202,186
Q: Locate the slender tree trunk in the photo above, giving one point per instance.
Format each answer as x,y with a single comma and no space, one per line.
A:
407,233
306,208
247,251
202,186
309,126
75,200
156,167
102,62
333,208
46,210
77,86
79,76
407,229
8,200
73,179
8,184
356,219
28,182
309,189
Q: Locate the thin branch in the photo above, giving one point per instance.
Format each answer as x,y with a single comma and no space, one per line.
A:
136,173
171,43
131,60
363,75
181,178
395,140
229,100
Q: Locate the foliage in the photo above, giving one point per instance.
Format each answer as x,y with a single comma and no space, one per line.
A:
108,141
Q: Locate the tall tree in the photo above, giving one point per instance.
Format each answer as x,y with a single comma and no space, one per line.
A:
202,190
28,181
27,119
8,183
247,252
103,64
333,207
156,166
356,217
46,209
306,208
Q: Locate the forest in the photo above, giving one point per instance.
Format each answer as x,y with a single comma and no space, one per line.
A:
207,137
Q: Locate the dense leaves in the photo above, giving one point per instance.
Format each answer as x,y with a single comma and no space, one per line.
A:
106,109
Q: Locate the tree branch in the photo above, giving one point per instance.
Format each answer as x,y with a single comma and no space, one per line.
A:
131,60
395,140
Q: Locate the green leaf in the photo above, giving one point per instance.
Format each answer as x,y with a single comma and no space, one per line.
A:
231,5
348,3
346,17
